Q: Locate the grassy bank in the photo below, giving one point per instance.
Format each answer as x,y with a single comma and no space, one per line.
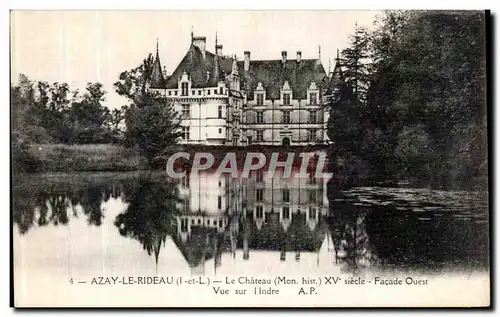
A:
115,158
67,158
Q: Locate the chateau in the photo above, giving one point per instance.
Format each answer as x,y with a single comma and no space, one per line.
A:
224,101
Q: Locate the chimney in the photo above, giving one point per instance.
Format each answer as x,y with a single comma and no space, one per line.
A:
200,42
218,49
283,57
247,61
299,56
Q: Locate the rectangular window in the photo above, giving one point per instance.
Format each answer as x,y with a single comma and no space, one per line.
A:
286,212
259,176
219,202
220,112
259,212
260,116
312,196
286,99
286,116
221,90
184,224
184,87
186,111
260,135
192,92
220,130
185,182
259,194
208,92
312,212
170,92
199,92
312,116
175,92
312,179
312,135
185,133
260,99
286,195
313,98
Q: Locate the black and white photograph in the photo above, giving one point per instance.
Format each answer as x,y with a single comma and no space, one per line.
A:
232,158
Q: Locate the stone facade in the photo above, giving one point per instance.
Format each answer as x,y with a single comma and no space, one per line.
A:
250,210
228,102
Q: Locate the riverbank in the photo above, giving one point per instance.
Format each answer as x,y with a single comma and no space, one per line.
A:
78,158
116,158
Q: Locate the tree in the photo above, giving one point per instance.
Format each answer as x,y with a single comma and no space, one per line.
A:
115,121
151,212
417,79
355,63
152,123
348,115
86,121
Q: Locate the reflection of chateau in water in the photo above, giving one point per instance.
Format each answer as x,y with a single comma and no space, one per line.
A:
222,214
259,222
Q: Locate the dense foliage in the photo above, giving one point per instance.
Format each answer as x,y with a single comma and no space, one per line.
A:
43,113
55,114
413,106
152,123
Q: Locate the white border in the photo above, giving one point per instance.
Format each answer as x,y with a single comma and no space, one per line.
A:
182,5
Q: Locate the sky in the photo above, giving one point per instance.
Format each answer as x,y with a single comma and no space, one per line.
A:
77,47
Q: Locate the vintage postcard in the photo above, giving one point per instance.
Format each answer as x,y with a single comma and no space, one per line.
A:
249,159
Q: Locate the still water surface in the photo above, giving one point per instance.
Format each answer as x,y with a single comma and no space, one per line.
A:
145,224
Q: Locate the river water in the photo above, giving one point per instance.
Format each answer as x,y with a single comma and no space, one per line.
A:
87,224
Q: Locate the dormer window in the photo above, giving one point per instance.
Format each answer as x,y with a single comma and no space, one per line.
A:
312,94
184,89
260,94
260,99
286,99
313,98
286,93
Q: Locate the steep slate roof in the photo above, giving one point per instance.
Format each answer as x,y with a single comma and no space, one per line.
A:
337,79
157,80
273,74
196,67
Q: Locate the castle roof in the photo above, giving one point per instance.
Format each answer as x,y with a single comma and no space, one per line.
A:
206,70
157,80
273,74
336,80
201,69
